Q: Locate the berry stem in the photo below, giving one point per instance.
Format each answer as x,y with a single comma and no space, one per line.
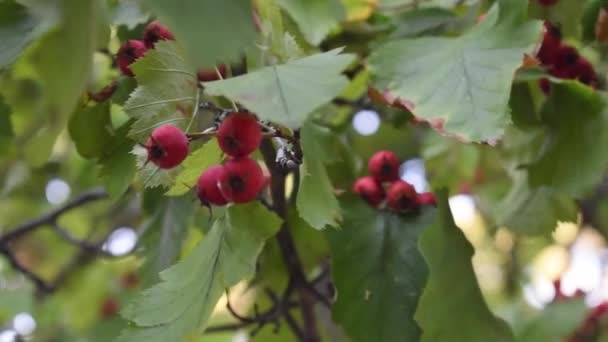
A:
194,110
219,75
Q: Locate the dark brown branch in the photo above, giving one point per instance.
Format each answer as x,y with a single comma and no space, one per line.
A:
90,247
41,285
51,217
287,246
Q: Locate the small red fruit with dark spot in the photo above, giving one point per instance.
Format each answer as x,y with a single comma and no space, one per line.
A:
109,308
401,195
547,3
551,42
167,146
208,75
207,187
128,53
370,190
565,57
241,180
384,166
427,198
154,32
239,134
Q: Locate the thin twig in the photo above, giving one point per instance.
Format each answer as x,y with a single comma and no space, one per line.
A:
41,285
50,217
95,248
287,246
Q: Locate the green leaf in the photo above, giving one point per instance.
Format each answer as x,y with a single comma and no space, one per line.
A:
197,161
315,18
452,304
181,304
574,156
128,13
316,201
167,91
90,128
378,272
566,14
413,23
55,72
448,162
118,165
212,31
462,84
555,322
287,93
534,211
64,75
163,235
6,128
20,26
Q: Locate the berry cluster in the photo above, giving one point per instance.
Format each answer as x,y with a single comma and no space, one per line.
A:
134,49
155,31
384,183
562,60
240,178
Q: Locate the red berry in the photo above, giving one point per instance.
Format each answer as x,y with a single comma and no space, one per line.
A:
128,53
427,198
154,32
370,190
167,146
384,166
208,75
599,311
401,195
207,187
565,59
109,308
239,134
547,3
545,85
241,180
550,44
584,72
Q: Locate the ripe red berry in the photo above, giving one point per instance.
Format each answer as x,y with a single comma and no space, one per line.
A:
550,44
370,190
109,308
401,195
239,134
208,75
128,53
384,166
545,85
154,32
207,187
547,3
167,146
241,180
584,72
565,58
427,198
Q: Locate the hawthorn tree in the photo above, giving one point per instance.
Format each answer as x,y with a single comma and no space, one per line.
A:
257,148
